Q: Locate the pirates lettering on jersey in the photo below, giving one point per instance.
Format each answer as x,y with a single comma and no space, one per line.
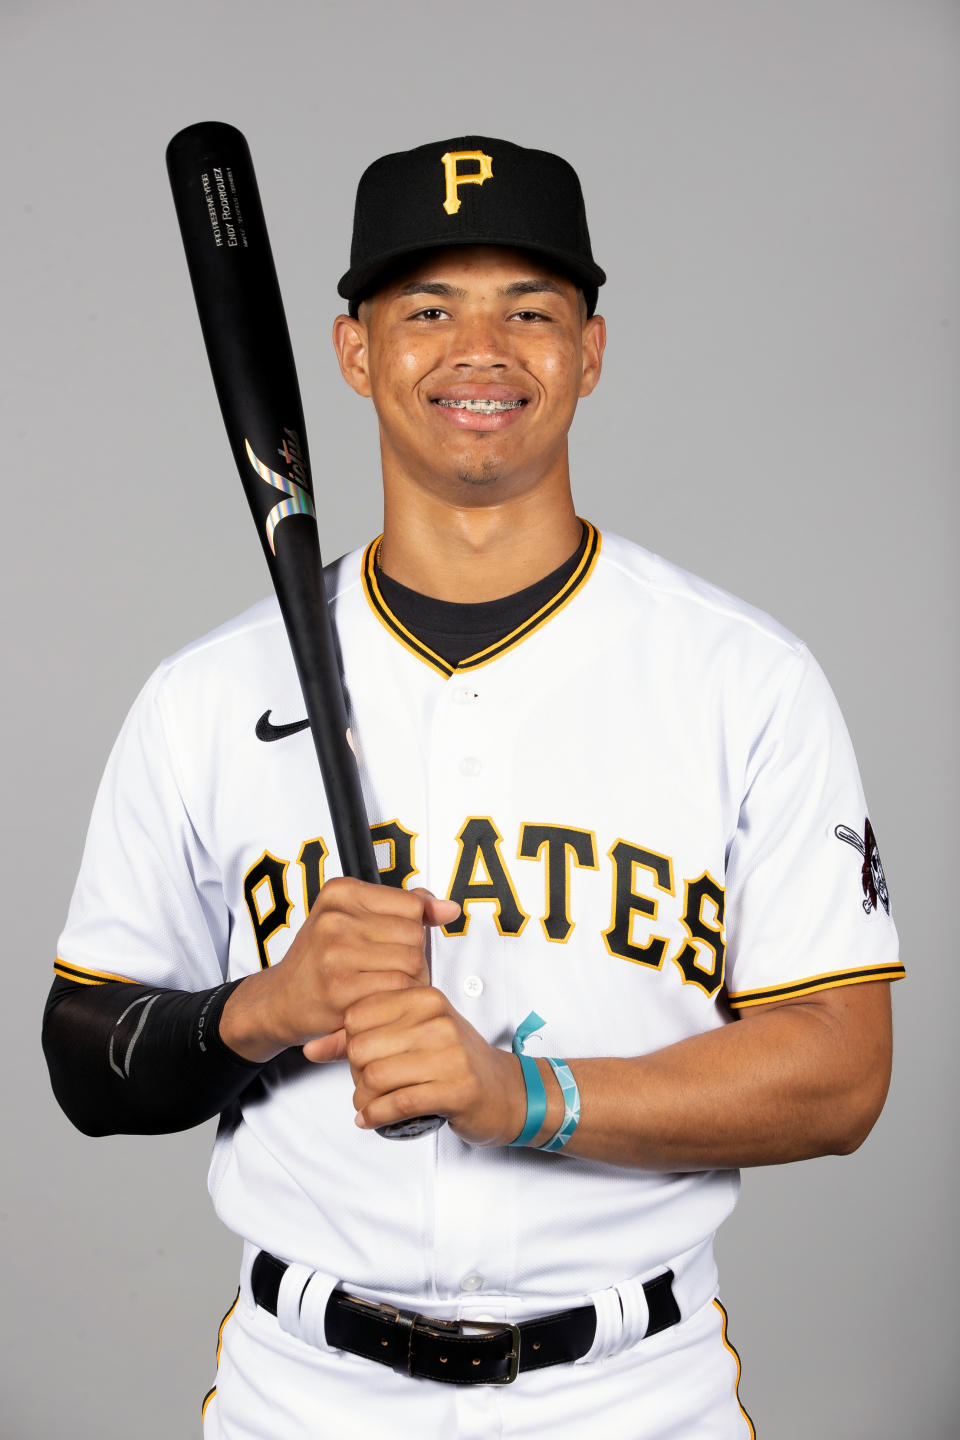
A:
696,892
399,841
628,901
265,883
397,871
312,855
480,842
265,891
481,876
562,843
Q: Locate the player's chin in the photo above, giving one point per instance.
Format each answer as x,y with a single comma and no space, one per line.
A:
482,468
480,476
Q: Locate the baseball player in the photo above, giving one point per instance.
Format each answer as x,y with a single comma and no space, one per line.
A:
633,935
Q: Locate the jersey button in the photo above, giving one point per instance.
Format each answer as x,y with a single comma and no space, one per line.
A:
473,1281
470,765
473,986
465,695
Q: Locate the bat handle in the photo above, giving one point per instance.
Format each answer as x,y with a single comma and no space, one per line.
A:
303,605
417,1124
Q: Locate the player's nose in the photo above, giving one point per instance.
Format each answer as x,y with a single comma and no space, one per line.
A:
479,341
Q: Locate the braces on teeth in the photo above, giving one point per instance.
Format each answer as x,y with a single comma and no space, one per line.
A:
481,407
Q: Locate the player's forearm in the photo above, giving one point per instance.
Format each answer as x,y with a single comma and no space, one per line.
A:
137,1059
785,1083
244,1024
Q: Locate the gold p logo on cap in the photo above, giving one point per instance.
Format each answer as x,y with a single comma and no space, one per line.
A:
450,162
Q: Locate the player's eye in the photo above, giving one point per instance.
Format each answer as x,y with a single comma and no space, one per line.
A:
527,315
429,312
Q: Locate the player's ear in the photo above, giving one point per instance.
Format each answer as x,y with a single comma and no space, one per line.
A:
594,338
350,343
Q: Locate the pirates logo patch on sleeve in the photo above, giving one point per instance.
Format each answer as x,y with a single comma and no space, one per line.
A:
871,872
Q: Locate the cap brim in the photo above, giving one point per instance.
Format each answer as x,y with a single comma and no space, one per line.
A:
363,280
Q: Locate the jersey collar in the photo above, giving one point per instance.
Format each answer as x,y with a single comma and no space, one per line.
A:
436,662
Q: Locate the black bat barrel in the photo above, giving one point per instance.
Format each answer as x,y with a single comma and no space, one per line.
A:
251,359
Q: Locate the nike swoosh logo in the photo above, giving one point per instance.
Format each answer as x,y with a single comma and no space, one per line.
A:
266,731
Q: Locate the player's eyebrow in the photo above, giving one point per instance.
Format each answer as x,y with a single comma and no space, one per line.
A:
530,287
432,287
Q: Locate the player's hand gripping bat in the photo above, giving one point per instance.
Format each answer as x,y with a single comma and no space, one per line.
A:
248,345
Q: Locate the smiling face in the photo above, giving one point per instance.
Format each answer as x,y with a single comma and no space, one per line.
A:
475,359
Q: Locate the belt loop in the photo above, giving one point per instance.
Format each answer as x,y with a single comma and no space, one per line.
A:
692,1283
609,1336
313,1310
292,1285
302,1303
636,1311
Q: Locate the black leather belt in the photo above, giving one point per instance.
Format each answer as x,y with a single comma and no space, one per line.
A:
458,1352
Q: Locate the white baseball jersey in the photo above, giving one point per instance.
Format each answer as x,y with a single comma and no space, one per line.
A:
647,804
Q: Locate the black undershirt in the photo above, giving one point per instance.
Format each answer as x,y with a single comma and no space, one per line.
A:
141,1060
454,631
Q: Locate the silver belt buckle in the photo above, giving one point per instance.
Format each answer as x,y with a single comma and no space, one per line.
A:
492,1326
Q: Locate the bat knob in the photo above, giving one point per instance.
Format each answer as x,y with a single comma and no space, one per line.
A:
410,1129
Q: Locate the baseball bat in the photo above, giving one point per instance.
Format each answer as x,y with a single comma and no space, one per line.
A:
248,345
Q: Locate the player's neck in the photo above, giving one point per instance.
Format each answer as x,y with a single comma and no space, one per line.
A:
476,554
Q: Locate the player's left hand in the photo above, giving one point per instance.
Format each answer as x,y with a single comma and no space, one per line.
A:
411,1053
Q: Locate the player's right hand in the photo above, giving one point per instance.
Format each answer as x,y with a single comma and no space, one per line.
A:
358,939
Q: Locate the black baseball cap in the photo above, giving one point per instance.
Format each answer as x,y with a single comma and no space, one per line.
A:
471,190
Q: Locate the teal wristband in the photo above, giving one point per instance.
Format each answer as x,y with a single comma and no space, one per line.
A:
571,1104
535,1088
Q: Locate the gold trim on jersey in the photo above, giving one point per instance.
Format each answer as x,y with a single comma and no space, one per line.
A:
436,662
732,1349
741,999
82,976
223,1322
213,1389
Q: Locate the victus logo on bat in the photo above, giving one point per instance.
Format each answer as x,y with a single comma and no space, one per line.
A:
296,484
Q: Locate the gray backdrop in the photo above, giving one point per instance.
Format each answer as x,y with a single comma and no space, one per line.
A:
772,188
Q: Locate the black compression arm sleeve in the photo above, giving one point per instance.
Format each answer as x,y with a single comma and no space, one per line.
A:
139,1060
